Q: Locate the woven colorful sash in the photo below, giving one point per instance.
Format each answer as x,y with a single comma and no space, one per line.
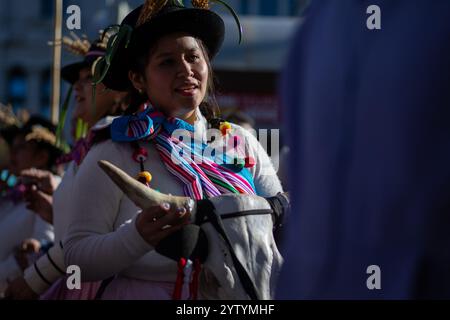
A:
201,179
78,152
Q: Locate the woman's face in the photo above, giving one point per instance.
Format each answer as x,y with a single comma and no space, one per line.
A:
26,155
105,100
176,75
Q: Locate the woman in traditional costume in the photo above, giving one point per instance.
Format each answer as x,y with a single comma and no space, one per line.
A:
161,54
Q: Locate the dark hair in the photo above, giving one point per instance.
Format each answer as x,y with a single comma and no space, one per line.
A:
208,107
39,146
53,155
53,152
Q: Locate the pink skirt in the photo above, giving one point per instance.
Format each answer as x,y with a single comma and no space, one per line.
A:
59,291
122,288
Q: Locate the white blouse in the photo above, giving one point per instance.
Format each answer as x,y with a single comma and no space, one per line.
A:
102,238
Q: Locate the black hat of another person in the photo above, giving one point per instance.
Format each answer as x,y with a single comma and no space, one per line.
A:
70,73
90,52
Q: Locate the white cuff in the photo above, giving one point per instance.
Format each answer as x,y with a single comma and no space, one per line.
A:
46,270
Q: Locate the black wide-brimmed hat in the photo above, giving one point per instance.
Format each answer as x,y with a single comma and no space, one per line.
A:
201,23
70,73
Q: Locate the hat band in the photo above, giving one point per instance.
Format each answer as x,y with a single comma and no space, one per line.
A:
95,53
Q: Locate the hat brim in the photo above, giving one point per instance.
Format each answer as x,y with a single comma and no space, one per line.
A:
71,72
200,23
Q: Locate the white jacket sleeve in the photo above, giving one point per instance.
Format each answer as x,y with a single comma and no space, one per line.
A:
91,241
46,270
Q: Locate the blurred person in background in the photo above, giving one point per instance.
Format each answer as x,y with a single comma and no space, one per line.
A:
166,65
46,277
9,125
22,231
368,116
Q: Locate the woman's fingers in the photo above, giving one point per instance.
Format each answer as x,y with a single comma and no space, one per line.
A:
155,211
36,173
163,215
31,245
157,222
171,219
42,179
41,203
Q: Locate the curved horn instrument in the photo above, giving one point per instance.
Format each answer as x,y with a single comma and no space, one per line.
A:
143,196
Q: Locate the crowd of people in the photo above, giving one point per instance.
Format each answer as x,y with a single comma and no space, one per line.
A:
145,107
160,197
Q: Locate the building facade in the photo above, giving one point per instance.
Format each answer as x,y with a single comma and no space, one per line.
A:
246,72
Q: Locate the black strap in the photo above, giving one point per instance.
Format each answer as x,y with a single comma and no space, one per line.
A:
204,219
206,208
280,206
101,289
41,275
55,265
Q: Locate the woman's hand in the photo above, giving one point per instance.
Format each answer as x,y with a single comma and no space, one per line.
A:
41,185
44,180
28,246
40,202
158,222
